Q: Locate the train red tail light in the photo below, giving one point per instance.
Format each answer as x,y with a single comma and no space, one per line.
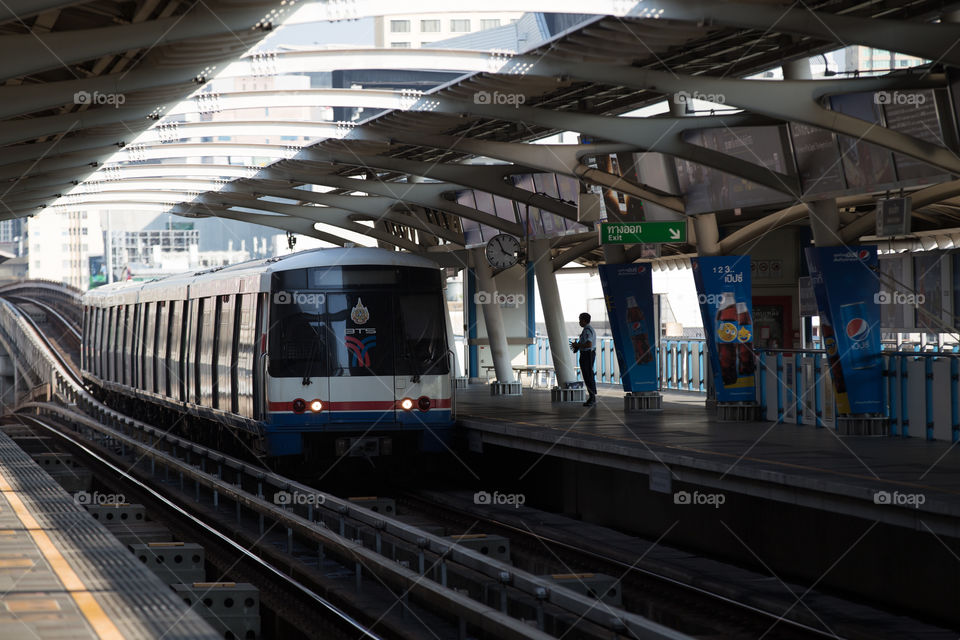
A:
299,405
423,402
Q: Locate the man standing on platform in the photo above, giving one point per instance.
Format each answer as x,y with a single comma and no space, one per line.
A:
586,345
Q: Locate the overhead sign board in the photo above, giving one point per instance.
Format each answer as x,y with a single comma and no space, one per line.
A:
893,216
643,232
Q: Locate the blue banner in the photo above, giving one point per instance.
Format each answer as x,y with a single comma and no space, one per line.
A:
726,307
846,284
628,291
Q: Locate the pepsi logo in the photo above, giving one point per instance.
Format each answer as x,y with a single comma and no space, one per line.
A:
864,254
858,329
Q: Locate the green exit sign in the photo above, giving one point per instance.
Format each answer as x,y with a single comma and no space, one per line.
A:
643,232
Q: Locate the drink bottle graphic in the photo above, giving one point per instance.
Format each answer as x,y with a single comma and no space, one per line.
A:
642,353
746,363
833,357
863,350
727,330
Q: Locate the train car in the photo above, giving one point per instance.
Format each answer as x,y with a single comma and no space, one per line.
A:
323,353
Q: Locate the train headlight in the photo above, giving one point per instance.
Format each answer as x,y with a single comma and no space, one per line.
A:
299,405
424,403
406,404
316,406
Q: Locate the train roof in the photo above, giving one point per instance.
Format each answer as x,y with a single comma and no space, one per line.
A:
249,276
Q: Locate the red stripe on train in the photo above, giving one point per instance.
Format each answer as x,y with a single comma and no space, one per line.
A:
362,405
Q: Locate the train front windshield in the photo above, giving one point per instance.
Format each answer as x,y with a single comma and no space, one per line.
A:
357,321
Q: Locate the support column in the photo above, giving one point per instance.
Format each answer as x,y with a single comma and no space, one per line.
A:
505,384
459,380
825,222
707,238
553,318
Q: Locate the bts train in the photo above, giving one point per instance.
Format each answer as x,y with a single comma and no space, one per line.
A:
321,353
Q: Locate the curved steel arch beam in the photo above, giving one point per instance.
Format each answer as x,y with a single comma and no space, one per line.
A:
924,40
325,215
662,134
286,223
426,194
374,207
449,60
36,52
489,178
787,100
557,158
931,195
367,98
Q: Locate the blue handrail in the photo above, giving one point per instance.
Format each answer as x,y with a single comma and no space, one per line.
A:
681,362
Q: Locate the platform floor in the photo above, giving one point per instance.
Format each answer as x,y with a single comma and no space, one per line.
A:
683,442
63,575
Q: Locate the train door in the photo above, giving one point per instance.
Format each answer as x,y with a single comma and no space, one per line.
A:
361,358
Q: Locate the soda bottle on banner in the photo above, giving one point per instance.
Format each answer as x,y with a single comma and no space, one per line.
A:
833,360
638,334
747,364
727,330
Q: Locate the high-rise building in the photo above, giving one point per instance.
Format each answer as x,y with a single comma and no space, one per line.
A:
59,246
415,30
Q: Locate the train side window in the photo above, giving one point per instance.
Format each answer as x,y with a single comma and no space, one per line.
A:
127,328
145,350
182,365
168,353
112,344
137,362
159,346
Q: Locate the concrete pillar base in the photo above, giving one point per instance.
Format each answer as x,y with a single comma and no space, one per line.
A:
738,411
498,388
568,394
643,401
461,382
857,425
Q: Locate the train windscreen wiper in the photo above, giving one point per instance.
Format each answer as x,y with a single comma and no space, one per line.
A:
313,350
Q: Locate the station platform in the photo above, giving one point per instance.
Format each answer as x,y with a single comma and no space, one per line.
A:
905,482
63,575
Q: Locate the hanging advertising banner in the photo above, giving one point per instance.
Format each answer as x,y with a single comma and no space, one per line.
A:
846,285
628,292
726,307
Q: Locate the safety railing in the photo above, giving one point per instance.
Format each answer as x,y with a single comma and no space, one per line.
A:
921,391
681,362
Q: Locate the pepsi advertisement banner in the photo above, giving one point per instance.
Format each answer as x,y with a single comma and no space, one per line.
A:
726,307
628,292
847,286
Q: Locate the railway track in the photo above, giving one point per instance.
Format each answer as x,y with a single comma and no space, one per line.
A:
392,577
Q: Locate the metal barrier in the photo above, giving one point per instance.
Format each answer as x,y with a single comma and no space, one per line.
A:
681,362
921,391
